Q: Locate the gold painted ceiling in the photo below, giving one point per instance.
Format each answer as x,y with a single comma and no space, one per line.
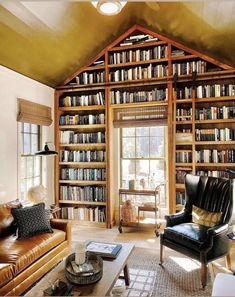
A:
50,40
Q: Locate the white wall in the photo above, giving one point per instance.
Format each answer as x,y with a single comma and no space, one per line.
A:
12,86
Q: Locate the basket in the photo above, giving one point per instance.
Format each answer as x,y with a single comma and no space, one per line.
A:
84,278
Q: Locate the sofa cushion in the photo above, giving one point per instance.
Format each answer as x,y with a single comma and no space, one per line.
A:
6,273
22,253
190,235
6,219
31,220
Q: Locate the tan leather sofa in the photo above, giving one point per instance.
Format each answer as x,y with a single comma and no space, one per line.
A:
23,262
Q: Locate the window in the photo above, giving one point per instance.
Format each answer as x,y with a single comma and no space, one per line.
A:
31,165
143,157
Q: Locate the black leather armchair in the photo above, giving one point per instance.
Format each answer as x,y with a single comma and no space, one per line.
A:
197,241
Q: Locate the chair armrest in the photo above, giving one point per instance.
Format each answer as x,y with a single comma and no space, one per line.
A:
62,225
178,218
218,230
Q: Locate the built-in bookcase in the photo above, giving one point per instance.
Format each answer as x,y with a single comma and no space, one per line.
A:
190,92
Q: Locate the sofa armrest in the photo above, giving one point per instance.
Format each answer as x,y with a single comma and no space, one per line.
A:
62,225
178,218
218,230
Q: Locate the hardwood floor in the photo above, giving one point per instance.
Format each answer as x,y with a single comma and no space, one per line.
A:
140,238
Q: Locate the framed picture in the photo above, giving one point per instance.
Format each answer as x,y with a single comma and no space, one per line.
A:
104,249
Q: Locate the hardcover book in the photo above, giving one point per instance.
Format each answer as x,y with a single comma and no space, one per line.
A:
104,249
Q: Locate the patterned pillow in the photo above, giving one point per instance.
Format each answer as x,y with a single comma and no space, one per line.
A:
205,218
31,221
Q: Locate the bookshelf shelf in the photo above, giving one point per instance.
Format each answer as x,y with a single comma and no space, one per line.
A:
84,164
102,68
215,165
139,104
82,108
84,146
83,182
132,64
96,127
218,121
215,143
137,46
82,202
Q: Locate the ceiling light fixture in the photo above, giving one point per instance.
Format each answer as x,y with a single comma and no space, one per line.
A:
109,7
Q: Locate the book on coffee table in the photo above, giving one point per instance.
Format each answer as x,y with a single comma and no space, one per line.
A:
104,249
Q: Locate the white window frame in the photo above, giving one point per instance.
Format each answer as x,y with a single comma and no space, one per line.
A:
21,155
164,158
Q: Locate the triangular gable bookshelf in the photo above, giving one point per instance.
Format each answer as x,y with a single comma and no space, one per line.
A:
176,52
140,69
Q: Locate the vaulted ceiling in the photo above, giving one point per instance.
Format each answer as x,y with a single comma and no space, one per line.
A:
49,40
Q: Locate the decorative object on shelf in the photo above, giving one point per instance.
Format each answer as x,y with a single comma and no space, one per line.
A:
46,151
109,7
37,194
91,272
104,249
80,253
131,184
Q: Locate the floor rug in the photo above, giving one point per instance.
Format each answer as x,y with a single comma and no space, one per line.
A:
179,277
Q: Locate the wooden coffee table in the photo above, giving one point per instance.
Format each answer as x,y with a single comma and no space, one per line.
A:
111,272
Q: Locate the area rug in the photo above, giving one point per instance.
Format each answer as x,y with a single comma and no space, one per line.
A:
179,277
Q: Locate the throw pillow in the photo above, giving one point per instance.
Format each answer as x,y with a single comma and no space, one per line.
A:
31,221
205,218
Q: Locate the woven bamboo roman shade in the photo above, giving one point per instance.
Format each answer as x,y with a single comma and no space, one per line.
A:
33,113
140,116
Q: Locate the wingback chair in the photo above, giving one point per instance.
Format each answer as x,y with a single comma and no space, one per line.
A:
193,239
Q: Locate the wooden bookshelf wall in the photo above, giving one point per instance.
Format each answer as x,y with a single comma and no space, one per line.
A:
156,70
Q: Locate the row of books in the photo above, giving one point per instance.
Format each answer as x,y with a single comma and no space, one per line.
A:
189,67
213,173
83,100
184,135
183,157
213,113
184,93
71,137
77,119
97,214
139,72
215,156
177,53
180,198
216,134
86,78
136,39
88,193
82,156
217,90
180,175
81,174
183,114
158,52
120,97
